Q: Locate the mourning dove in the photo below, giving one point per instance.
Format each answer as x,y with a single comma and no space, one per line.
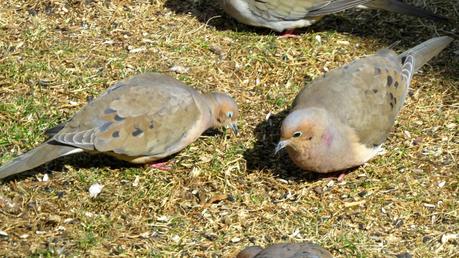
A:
280,15
303,250
340,120
141,119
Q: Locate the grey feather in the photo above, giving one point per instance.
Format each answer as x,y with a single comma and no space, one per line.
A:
44,153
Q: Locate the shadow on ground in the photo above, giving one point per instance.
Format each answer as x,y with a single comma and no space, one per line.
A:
385,27
261,157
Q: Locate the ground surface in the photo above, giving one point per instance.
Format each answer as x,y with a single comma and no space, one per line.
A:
224,192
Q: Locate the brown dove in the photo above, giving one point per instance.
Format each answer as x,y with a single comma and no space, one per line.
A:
301,250
142,119
340,120
281,15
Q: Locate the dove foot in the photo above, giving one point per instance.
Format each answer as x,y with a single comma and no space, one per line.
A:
163,166
289,33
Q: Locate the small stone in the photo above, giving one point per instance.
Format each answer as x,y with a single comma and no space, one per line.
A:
231,198
363,193
3,233
398,223
60,194
426,239
404,255
318,190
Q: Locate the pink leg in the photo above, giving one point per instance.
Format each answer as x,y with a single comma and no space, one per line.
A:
288,33
163,166
341,177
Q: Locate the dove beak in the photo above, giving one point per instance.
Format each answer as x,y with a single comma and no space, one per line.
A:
233,127
280,146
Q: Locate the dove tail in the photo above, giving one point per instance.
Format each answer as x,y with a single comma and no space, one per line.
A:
422,53
36,157
399,7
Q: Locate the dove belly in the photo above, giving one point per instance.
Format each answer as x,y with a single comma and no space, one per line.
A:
242,12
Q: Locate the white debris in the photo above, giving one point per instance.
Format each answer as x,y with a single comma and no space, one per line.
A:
268,116
343,42
448,236
133,50
318,39
163,218
195,172
136,181
45,178
179,69
24,236
235,239
176,238
441,184
3,233
95,190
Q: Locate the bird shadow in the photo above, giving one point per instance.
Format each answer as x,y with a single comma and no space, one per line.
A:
87,161
262,158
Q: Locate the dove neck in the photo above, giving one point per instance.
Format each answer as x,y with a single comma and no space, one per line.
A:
213,108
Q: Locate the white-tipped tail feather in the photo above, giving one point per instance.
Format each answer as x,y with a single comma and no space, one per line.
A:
36,157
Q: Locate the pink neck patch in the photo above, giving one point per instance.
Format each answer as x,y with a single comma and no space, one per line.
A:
327,137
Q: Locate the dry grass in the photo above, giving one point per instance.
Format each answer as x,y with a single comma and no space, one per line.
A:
224,193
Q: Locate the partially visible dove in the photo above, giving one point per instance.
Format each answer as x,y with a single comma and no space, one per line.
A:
145,118
300,250
281,15
340,120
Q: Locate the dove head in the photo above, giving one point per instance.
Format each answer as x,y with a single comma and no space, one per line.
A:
304,129
225,111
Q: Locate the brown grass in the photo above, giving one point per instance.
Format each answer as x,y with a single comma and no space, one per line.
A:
223,193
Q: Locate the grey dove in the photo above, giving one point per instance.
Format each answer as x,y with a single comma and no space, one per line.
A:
300,250
340,120
141,119
281,15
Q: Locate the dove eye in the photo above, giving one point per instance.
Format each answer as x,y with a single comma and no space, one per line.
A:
297,134
229,114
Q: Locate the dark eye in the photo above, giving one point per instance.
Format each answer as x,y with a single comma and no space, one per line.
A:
229,114
297,134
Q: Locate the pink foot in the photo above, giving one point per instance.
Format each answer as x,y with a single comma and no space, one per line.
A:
289,33
163,166
341,177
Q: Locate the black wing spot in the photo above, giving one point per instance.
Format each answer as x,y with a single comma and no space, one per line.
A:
391,95
119,118
377,70
395,101
390,80
109,111
391,105
137,132
105,126
152,125
375,91
116,134
396,84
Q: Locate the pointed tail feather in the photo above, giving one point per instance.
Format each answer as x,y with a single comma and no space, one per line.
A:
423,52
399,7
36,157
